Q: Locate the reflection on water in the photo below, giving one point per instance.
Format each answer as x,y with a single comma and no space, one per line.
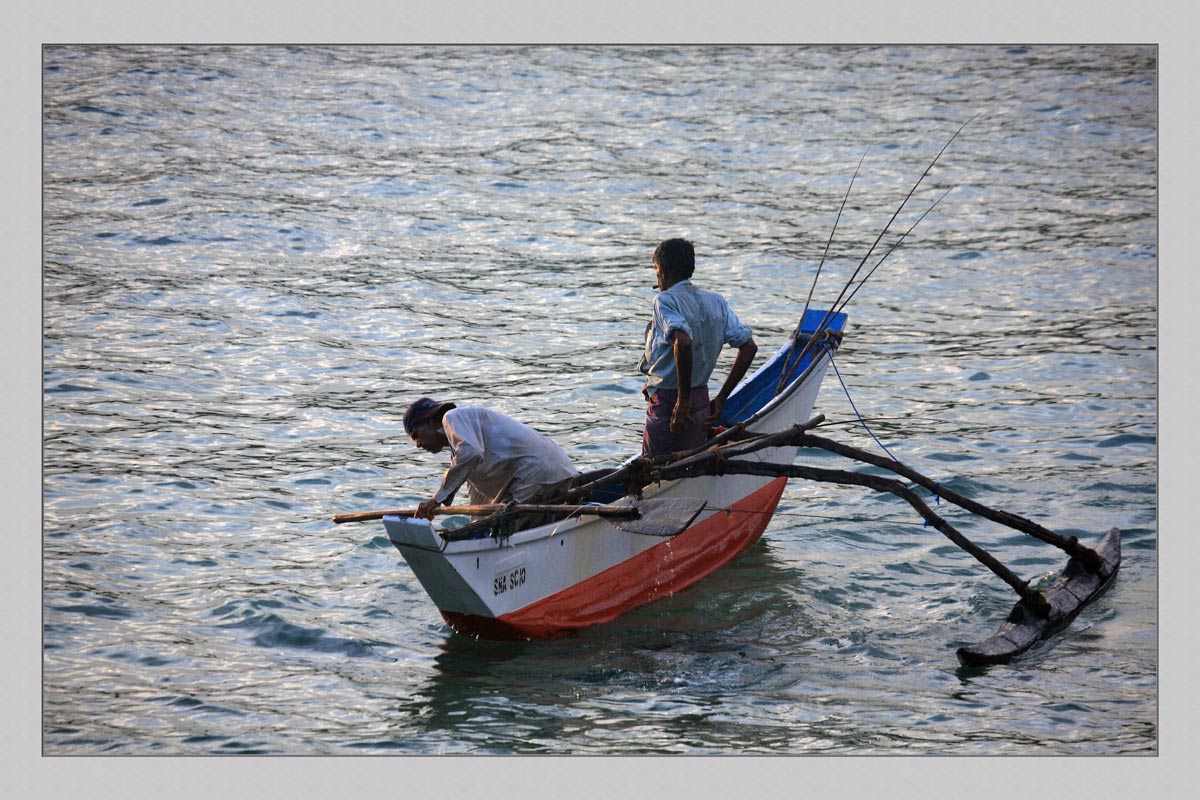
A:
626,687
255,257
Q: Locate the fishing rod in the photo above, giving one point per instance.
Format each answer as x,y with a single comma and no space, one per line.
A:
808,301
897,243
829,313
829,243
824,323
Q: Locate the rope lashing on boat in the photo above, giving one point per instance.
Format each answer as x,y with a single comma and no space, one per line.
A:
504,521
639,476
718,459
823,336
736,431
937,498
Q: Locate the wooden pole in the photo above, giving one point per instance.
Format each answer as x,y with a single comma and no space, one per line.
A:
799,435
642,466
1036,601
622,512
1070,545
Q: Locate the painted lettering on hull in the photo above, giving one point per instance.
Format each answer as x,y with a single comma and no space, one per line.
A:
509,579
659,571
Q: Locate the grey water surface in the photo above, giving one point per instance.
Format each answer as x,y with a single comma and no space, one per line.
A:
255,257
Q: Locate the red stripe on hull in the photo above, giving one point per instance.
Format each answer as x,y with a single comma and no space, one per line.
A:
662,570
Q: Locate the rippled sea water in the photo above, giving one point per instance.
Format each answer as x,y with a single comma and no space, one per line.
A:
255,257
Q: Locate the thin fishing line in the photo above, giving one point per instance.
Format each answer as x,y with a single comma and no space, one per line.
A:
830,312
867,428
861,420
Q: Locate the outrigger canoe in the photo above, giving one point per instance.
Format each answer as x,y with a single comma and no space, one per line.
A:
551,580
646,529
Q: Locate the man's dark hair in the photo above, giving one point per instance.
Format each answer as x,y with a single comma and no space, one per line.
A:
677,258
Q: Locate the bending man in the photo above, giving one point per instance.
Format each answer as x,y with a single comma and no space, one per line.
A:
683,341
499,458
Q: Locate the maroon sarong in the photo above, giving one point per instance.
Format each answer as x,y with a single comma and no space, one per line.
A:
657,437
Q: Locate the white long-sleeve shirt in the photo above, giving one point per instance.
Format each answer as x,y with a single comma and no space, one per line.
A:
487,448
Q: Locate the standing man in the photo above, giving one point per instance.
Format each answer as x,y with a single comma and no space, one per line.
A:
497,457
683,341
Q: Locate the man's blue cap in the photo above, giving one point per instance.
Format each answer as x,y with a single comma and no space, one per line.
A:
421,410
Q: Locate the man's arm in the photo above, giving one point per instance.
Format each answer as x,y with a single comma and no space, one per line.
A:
741,363
682,348
466,445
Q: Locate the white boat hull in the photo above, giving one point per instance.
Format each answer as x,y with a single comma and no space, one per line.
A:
551,580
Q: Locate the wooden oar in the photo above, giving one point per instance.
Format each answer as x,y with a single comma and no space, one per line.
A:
653,517
492,508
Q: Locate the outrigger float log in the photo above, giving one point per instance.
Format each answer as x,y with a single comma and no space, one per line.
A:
647,529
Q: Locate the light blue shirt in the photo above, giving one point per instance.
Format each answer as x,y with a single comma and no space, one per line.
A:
705,317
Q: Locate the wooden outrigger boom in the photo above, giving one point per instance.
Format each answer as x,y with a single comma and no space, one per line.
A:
1036,616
